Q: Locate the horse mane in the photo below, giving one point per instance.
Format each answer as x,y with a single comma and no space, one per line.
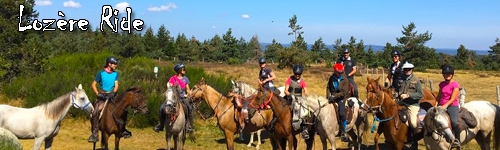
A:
55,108
120,96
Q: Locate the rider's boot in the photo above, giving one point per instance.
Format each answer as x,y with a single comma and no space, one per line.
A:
271,125
95,126
126,133
190,128
305,133
159,127
456,143
343,134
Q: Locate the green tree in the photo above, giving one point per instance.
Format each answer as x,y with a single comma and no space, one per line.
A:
255,48
182,47
492,61
414,49
229,46
272,50
295,28
151,44
166,43
465,59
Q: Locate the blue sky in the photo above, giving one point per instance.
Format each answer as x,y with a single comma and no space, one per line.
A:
475,24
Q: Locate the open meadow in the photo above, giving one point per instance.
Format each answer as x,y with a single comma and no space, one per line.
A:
480,85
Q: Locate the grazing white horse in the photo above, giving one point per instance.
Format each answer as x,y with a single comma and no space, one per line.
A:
42,122
438,134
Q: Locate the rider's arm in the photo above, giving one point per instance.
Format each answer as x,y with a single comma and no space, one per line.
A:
271,78
353,71
440,94
95,88
188,90
287,86
330,82
116,86
305,91
389,76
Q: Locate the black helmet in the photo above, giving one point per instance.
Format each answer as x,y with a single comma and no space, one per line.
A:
298,69
112,59
448,69
262,60
395,52
345,50
178,67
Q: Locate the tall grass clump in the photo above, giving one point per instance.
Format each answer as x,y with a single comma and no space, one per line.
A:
65,72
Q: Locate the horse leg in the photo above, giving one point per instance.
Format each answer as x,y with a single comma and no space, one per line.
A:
292,142
229,139
104,140
251,139
182,139
167,138
117,141
354,139
258,138
310,141
48,143
38,143
176,140
486,141
480,138
323,141
377,135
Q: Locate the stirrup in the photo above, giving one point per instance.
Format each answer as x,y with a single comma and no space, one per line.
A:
158,128
305,134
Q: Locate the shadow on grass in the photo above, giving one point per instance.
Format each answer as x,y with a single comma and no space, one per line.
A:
246,138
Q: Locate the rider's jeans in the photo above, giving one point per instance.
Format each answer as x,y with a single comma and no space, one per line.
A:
413,112
453,111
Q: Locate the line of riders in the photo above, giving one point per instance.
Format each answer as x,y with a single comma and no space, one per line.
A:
340,86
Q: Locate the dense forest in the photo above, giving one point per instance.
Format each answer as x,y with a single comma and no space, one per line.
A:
27,53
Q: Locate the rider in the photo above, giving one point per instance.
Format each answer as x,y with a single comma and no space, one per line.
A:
108,81
182,80
396,71
294,85
448,99
337,90
266,77
350,69
410,94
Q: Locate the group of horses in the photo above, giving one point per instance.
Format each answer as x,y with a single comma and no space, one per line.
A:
42,123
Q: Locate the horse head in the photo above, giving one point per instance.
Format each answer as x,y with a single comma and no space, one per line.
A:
137,100
236,87
373,94
437,121
198,90
80,100
172,97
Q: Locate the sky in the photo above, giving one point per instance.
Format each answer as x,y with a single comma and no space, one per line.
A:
475,24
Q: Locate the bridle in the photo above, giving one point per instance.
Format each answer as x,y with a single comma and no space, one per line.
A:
378,109
75,104
439,131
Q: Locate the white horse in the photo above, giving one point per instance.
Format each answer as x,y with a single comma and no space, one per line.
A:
174,108
42,122
439,135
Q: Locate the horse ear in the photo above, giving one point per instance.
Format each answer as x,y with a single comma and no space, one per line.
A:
80,86
378,79
368,78
202,81
233,82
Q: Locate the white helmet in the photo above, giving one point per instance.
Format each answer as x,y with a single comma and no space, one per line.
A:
408,65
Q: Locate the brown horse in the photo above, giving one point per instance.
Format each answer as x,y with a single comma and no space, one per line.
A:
283,131
381,98
113,115
224,111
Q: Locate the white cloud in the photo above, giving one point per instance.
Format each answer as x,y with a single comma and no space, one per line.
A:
245,16
214,27
121,7
72,4
43,3
167,7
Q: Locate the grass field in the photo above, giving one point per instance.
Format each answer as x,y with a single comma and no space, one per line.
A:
74,132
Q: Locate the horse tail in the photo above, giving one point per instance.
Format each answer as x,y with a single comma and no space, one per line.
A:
366,126
496,138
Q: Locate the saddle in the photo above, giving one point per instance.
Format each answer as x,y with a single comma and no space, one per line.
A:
349,111
242,112
466,119
404,116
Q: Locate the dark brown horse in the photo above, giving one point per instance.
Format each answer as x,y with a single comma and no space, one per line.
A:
283,131
115,113
387,109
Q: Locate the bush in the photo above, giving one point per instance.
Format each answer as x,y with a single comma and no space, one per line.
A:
67,71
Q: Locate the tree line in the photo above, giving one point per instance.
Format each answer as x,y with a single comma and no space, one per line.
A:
26,53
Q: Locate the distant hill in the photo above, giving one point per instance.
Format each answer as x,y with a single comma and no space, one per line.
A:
377,48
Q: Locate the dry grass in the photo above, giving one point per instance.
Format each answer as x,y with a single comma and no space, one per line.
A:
74,132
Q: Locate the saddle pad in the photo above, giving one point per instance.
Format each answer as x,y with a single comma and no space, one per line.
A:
467,117
403,114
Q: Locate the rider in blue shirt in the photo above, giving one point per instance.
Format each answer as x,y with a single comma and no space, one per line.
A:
107,79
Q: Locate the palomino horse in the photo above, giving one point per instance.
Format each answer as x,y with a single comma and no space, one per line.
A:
385,108
43,122
224,111
175,119
439,134
113,115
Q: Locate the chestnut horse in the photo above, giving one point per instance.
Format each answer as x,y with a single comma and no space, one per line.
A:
112,121
224,111
385,108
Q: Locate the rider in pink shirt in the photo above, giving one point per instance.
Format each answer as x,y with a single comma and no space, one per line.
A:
448,99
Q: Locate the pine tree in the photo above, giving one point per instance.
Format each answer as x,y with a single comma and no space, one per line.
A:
414,49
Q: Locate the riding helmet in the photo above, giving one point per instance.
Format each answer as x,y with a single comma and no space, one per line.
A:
178,67
395,52
345,50
112,59
262,60
298,69
408,65
448,69
339,67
